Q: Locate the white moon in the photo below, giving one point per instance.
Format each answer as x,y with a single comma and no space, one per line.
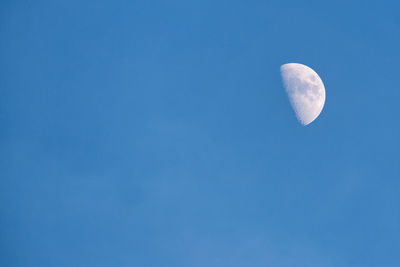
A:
305,90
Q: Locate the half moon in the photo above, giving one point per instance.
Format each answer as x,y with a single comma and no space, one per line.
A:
305,90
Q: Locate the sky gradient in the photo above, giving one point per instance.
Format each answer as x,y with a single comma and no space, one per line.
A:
158,133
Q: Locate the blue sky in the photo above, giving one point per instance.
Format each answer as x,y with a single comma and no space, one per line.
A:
157,133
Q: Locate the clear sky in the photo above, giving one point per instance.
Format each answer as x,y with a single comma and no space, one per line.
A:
158,133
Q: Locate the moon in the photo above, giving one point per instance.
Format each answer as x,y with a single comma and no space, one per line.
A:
305,90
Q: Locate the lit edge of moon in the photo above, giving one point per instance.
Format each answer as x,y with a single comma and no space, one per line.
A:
305,90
